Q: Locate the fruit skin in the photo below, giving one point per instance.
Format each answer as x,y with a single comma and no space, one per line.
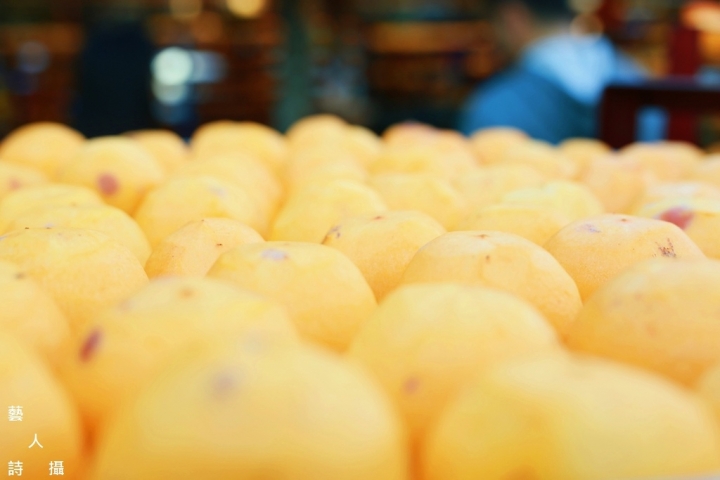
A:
228,137
180,201
193,249
423,192
659,315
118,168
583,151
31,315
103,218
573,199
324,292
535,223
619,183
558,418
256,409
543,157
485,186
14,177
596,249
381,246
425,342
85,271
169,150
708,387
22,201
45,146
310,213
499,260
668,161
124,346
490,145
245,171
48,411
699,218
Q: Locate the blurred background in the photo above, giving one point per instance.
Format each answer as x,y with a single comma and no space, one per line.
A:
110,66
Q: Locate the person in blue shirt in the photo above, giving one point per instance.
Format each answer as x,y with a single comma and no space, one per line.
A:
553,90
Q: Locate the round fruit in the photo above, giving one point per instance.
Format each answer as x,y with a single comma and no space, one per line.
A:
31,315
583,151
499,260
169,150
245,171
572,199
558,418
492,144
118,168
619,183
256,410
106,219
660,315
595,250
486,186
127,344
425,342
699,218
45,146
423,192
193,249
22,201
381,246
180,201
85,271
226,137
535,223
14,177
543,157
324,292
309,213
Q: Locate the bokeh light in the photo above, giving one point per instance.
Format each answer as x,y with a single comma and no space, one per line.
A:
246,8
173,66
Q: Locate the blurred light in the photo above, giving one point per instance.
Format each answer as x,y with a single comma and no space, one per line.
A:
207,27
33,57
208,67
170,94
172,66
185,9
246,8
585,6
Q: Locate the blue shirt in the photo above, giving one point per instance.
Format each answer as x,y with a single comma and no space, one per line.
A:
554,90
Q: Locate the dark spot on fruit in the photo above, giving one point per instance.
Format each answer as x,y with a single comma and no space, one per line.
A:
379,217
487,258
411,386
19,276
624,220
482,235
680,216
224,383
668,250
108,184
14,184
187,293
90,345
218,244
27,228
273,254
